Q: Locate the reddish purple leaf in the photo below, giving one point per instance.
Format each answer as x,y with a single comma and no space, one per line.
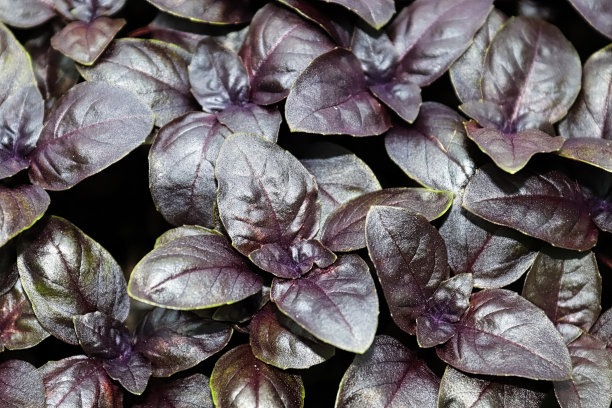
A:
377,13
388,375
401,95
344,229
410,259
20,208
598,13
207,265
88,10
30,13
57,257
79,381
279,341
85,41
21,385
331,97
193,391
102,336
254,119
209,11
244,310
277,48
132,370
591,150
15,64
567,286
504,334
241,380
337,305
182,231
546,205
89,130
174,340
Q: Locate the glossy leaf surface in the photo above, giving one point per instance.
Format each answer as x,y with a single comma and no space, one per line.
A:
388,375
84,41
19,327
434,151
30,13
265,195
20,208
240,379
461,390
206,265
175,340
87,10
546,205
597,152
410,259
529,58
21,385
504,334
243,310
8,267
89,130
192,391
132,370
254,119
446,26
59,258
154,70
279,341
338,305
466,71
102,336
591,383
401,95
274,65
208,11
603,328
15,64
376,13
344,229
331,97
598,13
79,382
21,119
567,286
182,231
182,168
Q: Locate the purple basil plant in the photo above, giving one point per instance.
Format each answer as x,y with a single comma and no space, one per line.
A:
305,203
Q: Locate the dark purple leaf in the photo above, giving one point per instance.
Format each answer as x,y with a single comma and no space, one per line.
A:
461,390
446,26
19,327
603,328
85,41
88,10
243,310
265,196
567,286
132,370
530,68
21,119
57,257
340,175
209,11
102,336
375,52
434,151
252,119
241,380
182,168
337,305
217,76
21,385
410,260
591,150
277,48
20,208
466,72
377,13
546,205
30,13
344,230
155,71
598,13
495,255
182,231
93,126
512,150
174,340
591,382
504,334
193,391
401,95
331,97
15,63
8,267
444,308
590,115
193,272
175,30
388,375
279,341
339,27
79,382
